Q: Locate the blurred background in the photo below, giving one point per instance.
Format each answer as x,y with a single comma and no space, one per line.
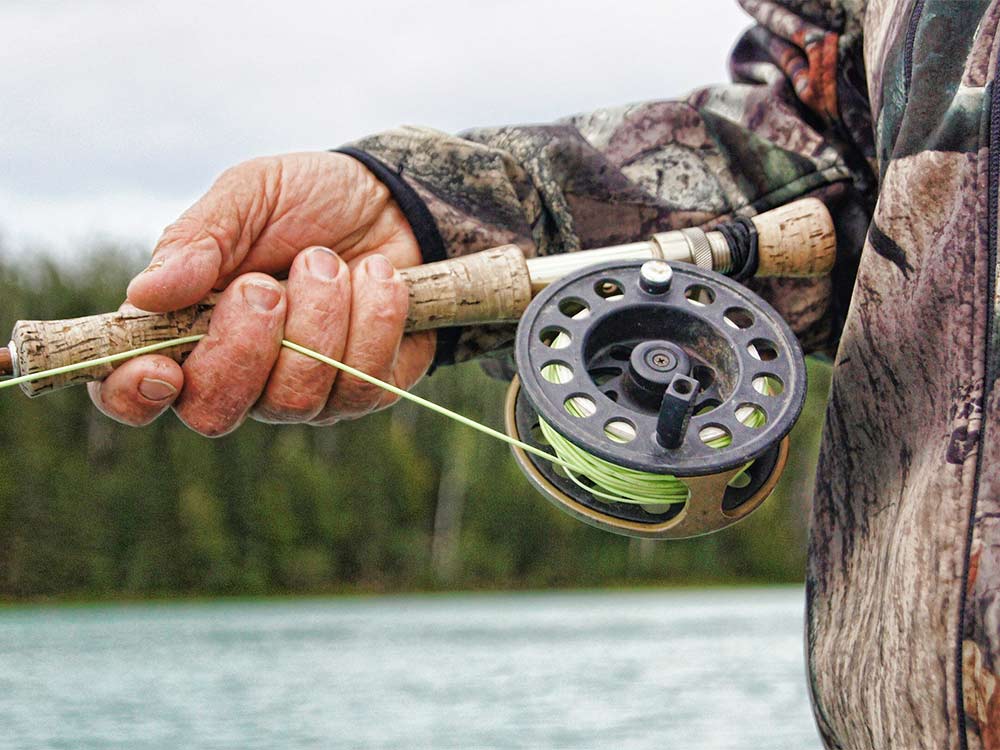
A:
115,117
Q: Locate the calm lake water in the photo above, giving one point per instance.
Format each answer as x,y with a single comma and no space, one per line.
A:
719,670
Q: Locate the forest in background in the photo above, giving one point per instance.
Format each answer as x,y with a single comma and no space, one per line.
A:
401,500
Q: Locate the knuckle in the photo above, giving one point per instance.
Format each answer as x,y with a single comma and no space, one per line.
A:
398,292
259,180
191,230
214,233
385,305
397,302
389,316
175,232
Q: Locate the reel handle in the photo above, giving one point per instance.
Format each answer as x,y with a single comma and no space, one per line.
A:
491,286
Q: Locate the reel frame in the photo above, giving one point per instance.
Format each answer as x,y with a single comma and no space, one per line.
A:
711,341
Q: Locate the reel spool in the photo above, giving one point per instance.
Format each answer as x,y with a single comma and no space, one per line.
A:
663,368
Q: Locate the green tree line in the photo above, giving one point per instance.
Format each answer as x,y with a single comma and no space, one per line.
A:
399,500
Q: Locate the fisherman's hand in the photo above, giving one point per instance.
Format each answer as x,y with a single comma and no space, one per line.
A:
324,221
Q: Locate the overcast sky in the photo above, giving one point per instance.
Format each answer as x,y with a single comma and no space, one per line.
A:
114,116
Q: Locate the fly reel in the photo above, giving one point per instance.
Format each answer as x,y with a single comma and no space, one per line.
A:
665,377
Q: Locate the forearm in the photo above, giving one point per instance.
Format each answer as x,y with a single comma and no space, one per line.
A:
617,175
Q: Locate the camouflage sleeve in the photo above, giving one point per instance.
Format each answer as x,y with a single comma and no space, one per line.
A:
793,123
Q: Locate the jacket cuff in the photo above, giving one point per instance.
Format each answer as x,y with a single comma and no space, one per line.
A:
424,229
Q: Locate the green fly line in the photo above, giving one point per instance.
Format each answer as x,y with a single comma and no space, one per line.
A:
151,348
600,478
622,484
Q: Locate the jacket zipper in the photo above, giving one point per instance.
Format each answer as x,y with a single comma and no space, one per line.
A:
989,376
994,199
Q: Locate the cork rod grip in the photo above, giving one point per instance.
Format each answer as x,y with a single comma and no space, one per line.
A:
797,239
491,286
485,287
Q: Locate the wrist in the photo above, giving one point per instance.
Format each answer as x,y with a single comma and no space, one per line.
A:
410,204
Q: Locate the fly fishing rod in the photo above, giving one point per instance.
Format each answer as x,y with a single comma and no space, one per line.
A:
654,392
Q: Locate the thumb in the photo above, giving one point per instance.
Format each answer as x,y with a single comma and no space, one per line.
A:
181,273
207,241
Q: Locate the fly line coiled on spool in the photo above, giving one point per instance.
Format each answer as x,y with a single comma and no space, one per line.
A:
619,483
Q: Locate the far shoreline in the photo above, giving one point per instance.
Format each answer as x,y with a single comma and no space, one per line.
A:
349,593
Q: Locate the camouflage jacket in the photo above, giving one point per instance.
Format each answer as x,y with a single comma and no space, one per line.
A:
885,109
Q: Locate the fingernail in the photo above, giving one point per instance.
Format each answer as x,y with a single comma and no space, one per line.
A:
261,296
379,267
322,263
155,264
156,390
154,267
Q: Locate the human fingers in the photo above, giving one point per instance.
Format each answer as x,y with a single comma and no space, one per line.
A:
139,390
379,303
227,371
319,304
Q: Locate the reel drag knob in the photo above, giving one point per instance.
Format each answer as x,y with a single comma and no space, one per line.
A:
674,380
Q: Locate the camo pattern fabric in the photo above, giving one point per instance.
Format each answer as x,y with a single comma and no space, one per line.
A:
883,110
